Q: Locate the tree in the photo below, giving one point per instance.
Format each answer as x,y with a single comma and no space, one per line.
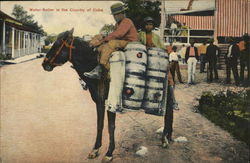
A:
139,9
107,29
20,14
50,39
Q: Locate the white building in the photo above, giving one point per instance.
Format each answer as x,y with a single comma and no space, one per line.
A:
17,39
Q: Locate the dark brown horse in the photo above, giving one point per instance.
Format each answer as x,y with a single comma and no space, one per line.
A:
84,58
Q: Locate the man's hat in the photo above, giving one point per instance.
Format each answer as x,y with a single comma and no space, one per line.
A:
118,8
148,19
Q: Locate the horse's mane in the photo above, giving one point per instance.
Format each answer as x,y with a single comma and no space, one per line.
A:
85,58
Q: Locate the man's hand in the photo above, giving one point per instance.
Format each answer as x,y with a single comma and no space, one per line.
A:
96,41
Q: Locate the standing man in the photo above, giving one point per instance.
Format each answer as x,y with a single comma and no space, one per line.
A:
244,57
191,58
212,53
232,62
173,29
124,32
182,52
174,62
202,51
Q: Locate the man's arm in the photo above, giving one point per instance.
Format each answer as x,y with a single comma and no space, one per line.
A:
121,30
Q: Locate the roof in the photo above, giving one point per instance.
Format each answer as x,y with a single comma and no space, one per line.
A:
16,23
207,11
174,6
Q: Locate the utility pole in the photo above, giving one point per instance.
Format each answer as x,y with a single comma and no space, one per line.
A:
163,20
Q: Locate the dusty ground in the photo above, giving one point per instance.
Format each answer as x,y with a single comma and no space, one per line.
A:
48,118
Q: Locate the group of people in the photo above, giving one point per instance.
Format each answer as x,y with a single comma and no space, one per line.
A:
238,52
125,32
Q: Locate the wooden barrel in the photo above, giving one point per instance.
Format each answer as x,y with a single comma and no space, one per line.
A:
156,75
134,85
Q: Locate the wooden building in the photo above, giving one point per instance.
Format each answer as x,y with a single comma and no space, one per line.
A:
17,39
218,19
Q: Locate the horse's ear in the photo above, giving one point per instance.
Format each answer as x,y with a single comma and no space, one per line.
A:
71,32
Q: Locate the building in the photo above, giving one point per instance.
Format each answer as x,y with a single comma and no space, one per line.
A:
17,39
217,19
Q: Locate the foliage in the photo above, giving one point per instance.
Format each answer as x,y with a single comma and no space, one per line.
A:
50,39
107,29
230,110
20,14
139,9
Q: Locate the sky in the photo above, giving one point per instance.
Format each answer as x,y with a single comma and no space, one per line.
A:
87,17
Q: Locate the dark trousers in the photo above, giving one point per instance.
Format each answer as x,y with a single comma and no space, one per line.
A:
169,112
231,64
203,62
244,64
175,67
212,68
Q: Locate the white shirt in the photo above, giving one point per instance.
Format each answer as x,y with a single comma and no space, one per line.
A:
229,51
173,26
183,52
173,56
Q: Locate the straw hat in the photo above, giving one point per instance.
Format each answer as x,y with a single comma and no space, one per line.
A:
118,8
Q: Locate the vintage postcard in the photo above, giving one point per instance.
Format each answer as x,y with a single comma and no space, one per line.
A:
124,81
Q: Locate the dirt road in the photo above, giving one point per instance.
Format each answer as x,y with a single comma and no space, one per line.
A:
47,118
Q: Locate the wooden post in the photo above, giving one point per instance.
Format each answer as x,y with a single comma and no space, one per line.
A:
163,20
216,23
19,41
13,43
3,41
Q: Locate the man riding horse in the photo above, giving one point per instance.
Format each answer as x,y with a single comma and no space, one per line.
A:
83,56
125,32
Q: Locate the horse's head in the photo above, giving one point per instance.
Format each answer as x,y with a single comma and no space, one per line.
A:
60,52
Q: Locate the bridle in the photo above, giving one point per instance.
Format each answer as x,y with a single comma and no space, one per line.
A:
64,43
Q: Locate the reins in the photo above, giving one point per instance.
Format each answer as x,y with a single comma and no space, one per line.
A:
64,43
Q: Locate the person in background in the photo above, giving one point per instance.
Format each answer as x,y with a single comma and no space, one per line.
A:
173,30
124,32
212,54
232,62
202,52
169,48
182,53
148,38
184,30
191,58
244,56
173,59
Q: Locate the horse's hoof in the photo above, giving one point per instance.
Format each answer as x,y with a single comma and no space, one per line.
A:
165,143
107,159
93,154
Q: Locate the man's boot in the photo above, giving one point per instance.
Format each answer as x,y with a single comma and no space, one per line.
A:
95,73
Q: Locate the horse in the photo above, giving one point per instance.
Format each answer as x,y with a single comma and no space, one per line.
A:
84,58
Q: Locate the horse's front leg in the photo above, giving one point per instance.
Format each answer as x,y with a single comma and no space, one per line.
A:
100,108
168,119
111,125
